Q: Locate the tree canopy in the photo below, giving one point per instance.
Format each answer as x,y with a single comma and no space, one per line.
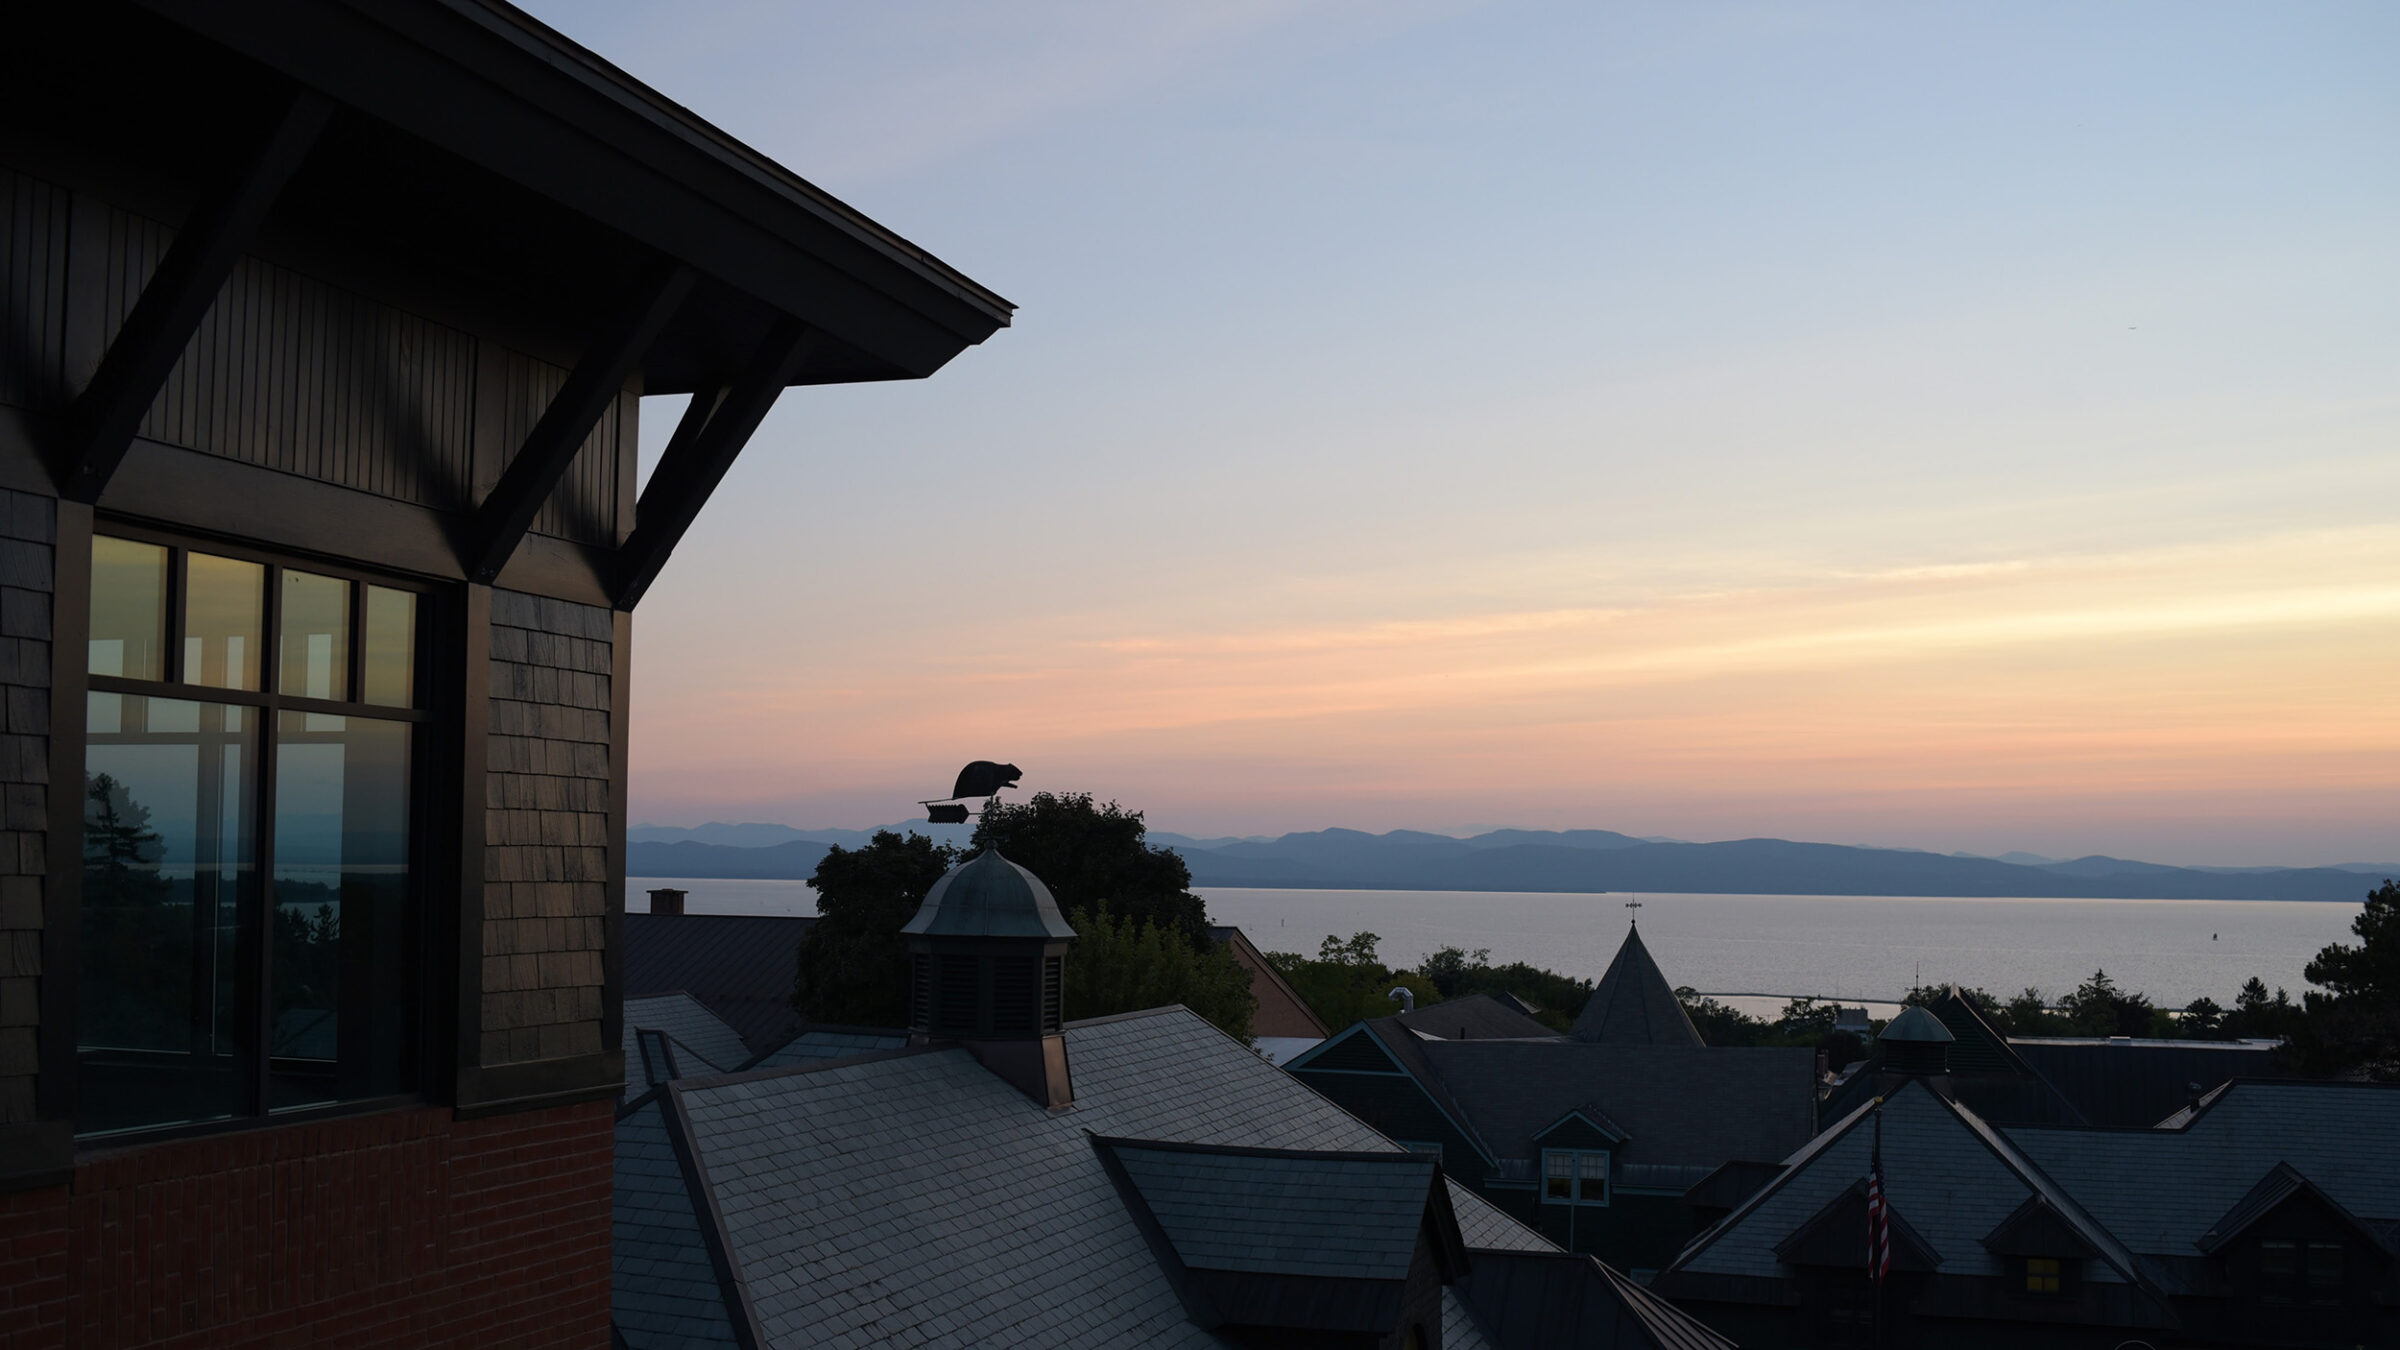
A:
854,963
1142,938
2354,1026
1092,855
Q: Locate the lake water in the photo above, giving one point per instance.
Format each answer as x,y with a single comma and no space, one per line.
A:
1771,947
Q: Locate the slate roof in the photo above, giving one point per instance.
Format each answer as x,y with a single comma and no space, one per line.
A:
699,1034
1634,1005
2163,1190
2068,1081
1690,1107
1954,1179
1478,1017
914,1198
1562,1301
823,1043
1352,1216
665,1290
739,966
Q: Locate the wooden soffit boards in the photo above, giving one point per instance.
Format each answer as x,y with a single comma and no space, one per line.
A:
496,89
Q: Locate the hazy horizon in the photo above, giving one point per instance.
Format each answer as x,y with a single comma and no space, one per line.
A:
1966,430
1470,831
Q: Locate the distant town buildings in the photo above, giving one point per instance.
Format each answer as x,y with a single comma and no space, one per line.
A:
1592,1139
1171,1188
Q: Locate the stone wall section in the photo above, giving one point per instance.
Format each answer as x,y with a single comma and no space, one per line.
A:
545,854
27,553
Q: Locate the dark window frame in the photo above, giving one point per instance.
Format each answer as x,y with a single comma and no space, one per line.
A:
433,714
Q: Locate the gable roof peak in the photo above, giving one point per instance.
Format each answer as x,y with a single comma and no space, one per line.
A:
1634,1005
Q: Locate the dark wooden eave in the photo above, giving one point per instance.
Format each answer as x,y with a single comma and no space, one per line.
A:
461,160
489,84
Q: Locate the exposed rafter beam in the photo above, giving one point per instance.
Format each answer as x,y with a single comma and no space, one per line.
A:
590,391
697,458
99,428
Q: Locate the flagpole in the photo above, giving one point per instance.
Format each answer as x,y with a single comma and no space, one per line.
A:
1877,1228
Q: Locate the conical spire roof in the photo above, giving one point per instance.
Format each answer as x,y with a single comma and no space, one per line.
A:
1634,1004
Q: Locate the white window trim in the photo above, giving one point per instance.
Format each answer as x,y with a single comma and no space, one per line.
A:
1575,1170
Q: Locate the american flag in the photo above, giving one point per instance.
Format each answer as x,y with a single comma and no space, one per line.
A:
1879,1219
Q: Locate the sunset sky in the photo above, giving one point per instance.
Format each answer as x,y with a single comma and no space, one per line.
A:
1961,428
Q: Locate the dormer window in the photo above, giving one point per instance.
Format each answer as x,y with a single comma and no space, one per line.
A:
2292,1271
1574,1177
2043,1276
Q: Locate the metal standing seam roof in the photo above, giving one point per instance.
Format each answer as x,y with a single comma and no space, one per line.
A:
695,1030
2137,1084
916,1199
1634,1005
989,896
741,967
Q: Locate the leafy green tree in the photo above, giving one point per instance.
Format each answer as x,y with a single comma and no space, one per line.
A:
1347,981
1722,1023
1092,855
1457,973
2202,1020
1994,1011
854,963
1120,964
2029,1015
1806,1019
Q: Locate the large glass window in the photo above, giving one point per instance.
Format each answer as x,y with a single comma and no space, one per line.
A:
248,914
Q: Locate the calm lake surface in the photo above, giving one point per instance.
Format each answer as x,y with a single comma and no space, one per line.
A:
1860,948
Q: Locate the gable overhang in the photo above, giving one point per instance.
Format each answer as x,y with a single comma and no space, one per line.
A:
1286,1302
1423,1081
1592,1119
2284,1185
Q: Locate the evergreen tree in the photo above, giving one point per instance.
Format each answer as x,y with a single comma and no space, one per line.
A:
2354,1026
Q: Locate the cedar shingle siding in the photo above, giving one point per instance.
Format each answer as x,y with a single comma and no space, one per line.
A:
25,582
545,856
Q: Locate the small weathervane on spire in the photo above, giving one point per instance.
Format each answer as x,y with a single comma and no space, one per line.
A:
1630,916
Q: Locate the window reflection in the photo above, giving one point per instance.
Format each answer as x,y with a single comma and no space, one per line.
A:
167,830
316,636
340,884
224,605
129,609
390,667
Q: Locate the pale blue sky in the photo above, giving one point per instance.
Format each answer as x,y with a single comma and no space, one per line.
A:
1434,414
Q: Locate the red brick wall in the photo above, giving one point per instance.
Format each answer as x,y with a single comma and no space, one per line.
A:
399,1228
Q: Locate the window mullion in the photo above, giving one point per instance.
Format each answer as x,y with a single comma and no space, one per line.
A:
270,681
170,665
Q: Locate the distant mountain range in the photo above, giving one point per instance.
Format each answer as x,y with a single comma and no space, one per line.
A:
1556,860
